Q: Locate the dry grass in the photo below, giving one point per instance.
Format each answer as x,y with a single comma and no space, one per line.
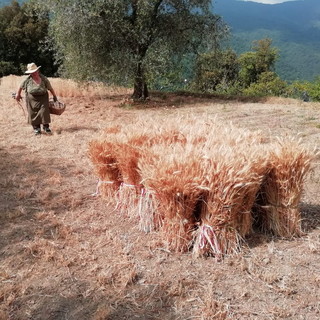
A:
66,88
67,254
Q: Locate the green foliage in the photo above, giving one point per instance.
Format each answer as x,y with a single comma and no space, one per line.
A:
235,89
223,72
314,90
22,34
216,68
7,68
129,41
268,84
306,90
256,62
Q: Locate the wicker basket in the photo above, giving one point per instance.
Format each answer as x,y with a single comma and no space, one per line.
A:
56,107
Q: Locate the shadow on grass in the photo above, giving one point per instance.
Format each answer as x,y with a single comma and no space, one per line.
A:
310,220
72,298
77,128
25,190
310,215
136,302
179,99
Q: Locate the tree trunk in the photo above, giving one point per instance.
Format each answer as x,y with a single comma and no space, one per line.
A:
140,91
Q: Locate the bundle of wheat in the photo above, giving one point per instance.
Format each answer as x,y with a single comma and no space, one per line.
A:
258,168
232,181
277,205
115,156
109,156
106,166
128,144
133,197
127,155
157,146
173,174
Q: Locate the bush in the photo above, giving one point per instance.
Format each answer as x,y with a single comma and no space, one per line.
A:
230,89
307,91
268,84
7,68
314,90
215,70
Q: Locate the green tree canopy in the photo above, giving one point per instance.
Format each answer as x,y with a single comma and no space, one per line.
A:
268,84
22,35
125,41
254,63
218,67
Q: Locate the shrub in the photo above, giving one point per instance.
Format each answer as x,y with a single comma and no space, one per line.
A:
7,68
268,84
306,90
215,70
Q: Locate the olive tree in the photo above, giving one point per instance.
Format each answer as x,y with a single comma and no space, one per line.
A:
124,41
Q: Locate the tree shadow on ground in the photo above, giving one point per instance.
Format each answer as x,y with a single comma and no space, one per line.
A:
14,190
27,229
53,305
179,99
310,216
136,302
24,192
78,128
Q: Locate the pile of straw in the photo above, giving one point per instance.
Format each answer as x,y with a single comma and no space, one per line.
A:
203,184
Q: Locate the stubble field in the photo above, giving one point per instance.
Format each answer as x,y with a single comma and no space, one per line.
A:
67,254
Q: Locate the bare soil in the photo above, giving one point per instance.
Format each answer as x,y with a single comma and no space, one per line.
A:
66,254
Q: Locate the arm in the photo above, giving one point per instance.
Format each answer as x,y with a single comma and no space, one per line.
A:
18,95
23,86
53,94
49,87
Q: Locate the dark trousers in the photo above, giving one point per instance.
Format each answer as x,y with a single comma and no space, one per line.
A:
38,126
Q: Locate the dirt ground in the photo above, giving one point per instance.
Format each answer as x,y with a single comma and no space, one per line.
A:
66,254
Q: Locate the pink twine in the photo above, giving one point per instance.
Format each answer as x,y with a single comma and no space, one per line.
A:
208,235
99,183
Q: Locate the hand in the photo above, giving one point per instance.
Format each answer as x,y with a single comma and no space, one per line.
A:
18,97
55,99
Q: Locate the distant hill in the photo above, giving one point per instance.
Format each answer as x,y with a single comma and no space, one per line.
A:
293,26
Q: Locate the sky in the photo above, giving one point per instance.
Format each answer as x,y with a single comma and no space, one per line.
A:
269,1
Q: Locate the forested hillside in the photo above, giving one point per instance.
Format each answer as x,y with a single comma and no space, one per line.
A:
293,26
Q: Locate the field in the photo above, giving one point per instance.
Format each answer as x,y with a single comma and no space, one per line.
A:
66,253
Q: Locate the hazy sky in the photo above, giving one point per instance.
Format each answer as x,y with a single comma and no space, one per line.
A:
269,1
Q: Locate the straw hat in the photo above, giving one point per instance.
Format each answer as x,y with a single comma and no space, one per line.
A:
32,67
